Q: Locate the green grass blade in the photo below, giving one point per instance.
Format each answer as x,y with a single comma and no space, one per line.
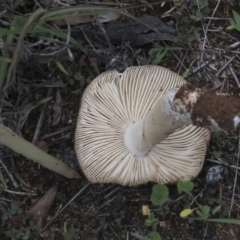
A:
17,51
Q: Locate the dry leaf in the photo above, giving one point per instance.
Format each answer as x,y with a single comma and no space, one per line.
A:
39,211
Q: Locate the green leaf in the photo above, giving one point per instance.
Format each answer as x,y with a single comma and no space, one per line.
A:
19,22
205,211
193,17
217,154
154,236
14,206
217,134
199,213
70,233
17,3
236,26
186,187
16,174
61,67
186,212
216,209
159,194
5,59
79,77
5,216
220,220
185,74
151,221
138,236
236,17
92,213
159,57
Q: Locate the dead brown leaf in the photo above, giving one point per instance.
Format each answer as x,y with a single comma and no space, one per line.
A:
39,211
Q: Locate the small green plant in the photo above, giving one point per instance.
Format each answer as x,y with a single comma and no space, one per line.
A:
151,221
161,52
236,24
203,212
24,233
13,209
151,236
69,233
189,16
103,223
159,195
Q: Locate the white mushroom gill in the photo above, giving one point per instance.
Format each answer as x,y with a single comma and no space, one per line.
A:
136,127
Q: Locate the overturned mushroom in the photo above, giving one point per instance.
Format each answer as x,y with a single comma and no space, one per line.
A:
138,126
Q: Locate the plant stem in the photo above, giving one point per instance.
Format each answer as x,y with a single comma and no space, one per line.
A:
27,149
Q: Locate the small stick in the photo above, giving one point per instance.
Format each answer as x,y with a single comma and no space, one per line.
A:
225,66
63,208
206,30
235,179
57,132
40,120
20,193
14,182
235,76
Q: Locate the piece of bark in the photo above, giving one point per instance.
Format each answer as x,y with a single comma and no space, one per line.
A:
39,211
134,32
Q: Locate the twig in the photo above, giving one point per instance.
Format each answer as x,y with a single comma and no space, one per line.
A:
127,236
203,65
234,45
3,12
235,76
85,36
104,33
205,232
57,132
175,55
63,208
21,193
217,18
40,120
225,66
206,30
235,179
14,182
221,162
71,57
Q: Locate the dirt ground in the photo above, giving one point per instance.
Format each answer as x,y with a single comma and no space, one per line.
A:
105,211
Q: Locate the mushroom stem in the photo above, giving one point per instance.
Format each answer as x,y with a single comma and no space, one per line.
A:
180,106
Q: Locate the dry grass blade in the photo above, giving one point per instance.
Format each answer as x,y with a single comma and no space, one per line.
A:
27,149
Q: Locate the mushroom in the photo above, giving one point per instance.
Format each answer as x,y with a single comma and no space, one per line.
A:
148,124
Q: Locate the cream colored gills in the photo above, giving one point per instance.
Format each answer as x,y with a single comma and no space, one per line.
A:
131,128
